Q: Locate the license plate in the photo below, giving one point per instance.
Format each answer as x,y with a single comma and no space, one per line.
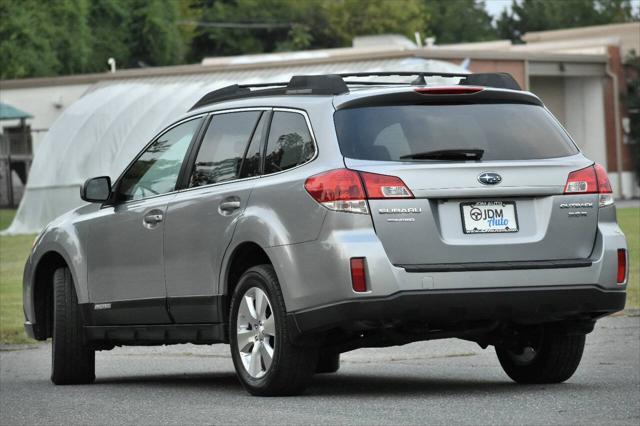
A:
485,217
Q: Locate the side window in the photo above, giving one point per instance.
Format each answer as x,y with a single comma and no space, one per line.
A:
156,170
290,142
251,165
220,155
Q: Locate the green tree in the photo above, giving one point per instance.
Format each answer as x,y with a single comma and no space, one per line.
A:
540,15
43,38
457,21
38,39
277,25
154,36
71,38
25,40
213,38
109,23
342,20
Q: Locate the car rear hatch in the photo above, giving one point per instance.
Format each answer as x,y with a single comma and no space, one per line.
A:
487,181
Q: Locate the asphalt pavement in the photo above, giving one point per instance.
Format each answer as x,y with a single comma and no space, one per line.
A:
438,382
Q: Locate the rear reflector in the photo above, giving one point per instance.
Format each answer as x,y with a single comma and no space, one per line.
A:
449,90
358,275
590,180
348,190
622,266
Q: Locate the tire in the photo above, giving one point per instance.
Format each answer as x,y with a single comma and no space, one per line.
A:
328,362
554,361
72,362
290,368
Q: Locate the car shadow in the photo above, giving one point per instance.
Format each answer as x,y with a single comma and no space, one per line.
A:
345,384
225,380
371,385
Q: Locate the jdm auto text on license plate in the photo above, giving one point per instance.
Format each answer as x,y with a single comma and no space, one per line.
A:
482,217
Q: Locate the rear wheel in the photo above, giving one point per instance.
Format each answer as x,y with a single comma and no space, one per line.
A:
548,357
72,361
266,362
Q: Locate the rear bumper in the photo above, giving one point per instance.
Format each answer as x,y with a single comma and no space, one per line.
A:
316,274
451,307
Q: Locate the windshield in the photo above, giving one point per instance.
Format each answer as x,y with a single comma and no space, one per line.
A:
403,132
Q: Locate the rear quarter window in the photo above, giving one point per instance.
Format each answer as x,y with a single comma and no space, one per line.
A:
290,143
503,131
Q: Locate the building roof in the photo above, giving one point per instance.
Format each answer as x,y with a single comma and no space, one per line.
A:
573,41
8,112
321,57
625,35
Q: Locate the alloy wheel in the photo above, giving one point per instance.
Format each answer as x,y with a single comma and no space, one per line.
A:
256,332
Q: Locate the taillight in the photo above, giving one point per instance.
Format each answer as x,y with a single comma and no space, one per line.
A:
383,186
348,190
339,189
604,186
583,181
449,90
622,266
358,274
590,180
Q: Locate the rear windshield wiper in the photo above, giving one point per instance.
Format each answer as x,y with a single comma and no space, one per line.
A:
447,154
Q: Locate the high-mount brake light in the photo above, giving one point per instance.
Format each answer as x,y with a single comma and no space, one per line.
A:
449,90
348,190
591,180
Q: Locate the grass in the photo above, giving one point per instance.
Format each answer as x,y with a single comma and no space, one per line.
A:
13,253
6,216
15,249
629,220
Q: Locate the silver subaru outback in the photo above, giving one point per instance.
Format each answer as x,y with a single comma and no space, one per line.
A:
296,221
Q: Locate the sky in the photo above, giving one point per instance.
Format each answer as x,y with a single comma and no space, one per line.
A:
495,7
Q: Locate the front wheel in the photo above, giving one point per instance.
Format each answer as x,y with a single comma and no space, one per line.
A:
72,362
549,357
266,362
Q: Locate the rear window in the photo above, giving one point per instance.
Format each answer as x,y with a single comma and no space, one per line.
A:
503,131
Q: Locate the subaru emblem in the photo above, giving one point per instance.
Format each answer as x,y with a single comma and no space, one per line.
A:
489,178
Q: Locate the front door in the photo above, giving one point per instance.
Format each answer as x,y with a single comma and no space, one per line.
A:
126,246
201,219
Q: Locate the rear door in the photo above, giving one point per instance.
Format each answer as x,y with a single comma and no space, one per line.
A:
201,219
506,206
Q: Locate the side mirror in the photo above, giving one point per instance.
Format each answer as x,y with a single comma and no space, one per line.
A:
96,190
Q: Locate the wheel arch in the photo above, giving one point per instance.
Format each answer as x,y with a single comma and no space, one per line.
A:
242,257
42,292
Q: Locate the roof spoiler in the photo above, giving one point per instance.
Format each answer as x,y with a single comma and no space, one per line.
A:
335,84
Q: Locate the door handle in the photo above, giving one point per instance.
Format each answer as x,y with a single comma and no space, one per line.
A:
229,206
153,218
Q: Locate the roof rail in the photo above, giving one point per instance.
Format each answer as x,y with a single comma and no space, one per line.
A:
329,84
334,84
501,80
